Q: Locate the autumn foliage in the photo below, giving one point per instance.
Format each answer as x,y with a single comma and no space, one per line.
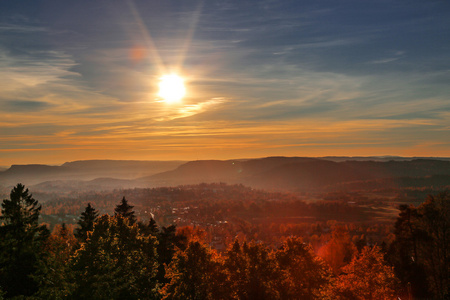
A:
120,257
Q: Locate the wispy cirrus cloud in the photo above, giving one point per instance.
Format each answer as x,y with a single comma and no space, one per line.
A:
263,78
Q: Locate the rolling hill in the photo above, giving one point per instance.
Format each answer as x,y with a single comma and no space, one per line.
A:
280,173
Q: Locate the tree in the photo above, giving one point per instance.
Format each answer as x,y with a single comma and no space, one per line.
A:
21,240
125,210
421,250
116,262
153,227
339,250
434,244
404,253
149,229
366,277
86,222
168,242
304,275
252,272
195,273
54,275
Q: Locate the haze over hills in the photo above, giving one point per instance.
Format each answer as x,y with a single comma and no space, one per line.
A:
297,173
282,173
84,171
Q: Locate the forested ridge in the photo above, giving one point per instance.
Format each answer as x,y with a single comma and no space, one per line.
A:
222,246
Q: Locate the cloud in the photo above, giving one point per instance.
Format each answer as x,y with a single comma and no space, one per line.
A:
189,110
383,61
279,75
23,105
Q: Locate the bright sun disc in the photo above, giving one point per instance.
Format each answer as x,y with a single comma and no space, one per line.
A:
171,88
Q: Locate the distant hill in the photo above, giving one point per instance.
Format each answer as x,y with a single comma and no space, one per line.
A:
436,181
379,158
229,171
281,173
122,169
297,173
31,174
84,170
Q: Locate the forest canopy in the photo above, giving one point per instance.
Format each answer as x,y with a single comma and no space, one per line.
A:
121,256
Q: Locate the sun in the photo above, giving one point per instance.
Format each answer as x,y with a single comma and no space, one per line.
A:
171,88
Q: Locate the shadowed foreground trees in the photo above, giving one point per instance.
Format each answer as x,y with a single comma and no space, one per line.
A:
21,241
247,271
116,262
304,275
421,250
251,271
54,275
119,257
196,273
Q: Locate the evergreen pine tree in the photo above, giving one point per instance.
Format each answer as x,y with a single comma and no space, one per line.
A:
21,239
116,262
86,222
125,210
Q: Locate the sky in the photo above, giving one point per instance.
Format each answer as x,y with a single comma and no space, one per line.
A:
80,79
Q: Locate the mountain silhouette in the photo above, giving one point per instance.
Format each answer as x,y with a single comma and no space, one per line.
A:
282,173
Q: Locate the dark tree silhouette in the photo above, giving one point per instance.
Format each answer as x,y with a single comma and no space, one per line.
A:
21,239
168,242
86,222
116,262
153,227
252,271
421,250
125,210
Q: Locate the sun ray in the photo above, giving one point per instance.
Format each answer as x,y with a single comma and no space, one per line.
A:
148,38
190,33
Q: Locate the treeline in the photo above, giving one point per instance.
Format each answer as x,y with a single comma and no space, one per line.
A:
119,257
212,203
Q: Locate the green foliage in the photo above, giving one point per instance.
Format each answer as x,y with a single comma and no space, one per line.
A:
21,240
168,242
252,272
116,262
54,275
195,274
120,258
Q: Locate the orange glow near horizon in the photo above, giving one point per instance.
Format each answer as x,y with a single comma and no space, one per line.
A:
222,140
